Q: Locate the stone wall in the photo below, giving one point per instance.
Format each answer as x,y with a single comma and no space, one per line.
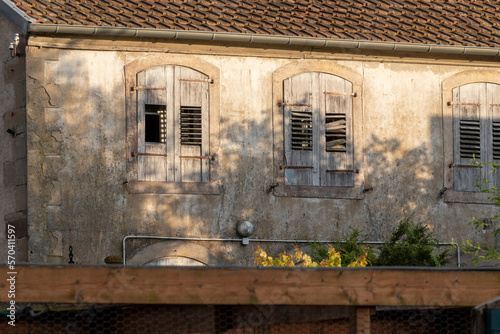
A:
12,142
77,154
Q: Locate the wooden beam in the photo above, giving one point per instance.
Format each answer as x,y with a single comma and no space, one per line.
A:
284,286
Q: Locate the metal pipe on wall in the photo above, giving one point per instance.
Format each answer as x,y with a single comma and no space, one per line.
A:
246,241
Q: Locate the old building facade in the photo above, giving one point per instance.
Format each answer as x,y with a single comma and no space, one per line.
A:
184,133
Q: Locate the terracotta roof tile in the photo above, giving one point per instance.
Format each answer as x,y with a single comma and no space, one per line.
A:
444,22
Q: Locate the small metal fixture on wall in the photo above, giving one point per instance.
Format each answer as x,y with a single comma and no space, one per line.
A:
71,255
13,46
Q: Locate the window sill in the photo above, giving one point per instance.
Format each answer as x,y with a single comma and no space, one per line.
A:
155,187
319,192
452,196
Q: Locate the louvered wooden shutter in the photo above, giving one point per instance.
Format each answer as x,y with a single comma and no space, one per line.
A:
318,130
300,134
172,104
151,98
470,123
191,126
493,108
337,164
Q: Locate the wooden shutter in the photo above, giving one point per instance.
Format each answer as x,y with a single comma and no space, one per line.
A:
318,130
336,137
180,96
469,130
151,95
493,154
299,131
192,148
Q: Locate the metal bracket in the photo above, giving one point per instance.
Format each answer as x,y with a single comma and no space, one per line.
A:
449,104
210,81
344,94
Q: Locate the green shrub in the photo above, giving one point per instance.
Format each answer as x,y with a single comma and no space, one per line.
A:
481,251
411,244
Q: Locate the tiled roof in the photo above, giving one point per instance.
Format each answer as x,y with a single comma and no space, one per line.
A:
443,22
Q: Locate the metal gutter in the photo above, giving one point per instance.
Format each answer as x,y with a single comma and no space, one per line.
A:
42,28
15,15
246,241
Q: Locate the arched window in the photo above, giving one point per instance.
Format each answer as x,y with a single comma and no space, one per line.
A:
471,125
476,135
173,125
317,127
318,131
173,116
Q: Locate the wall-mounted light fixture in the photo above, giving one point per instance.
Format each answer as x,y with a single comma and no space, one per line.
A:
244,229
13,46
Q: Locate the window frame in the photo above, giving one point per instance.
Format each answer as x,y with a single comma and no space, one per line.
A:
463,78
213,186
279,188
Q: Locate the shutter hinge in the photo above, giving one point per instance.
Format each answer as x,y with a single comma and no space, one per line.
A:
271,187
211,81
146,88
463,166
344,94
449,104
296,167
197,157
281,104
342,171
136,154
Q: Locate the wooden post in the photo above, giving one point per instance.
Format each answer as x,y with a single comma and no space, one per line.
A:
363,320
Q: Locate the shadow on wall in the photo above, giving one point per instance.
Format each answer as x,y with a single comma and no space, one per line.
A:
76,155
399,181
78,175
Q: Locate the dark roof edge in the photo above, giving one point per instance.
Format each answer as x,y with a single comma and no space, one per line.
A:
15,15
260,39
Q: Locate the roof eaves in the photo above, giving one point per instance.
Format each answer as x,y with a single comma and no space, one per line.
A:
15,15
183,34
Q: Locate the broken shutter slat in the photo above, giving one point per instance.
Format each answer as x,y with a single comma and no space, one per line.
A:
337,150
302,131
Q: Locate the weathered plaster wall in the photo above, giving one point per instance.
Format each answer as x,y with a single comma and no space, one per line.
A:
77,157
13,144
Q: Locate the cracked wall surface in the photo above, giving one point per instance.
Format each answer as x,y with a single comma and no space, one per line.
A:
13,205
77,154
